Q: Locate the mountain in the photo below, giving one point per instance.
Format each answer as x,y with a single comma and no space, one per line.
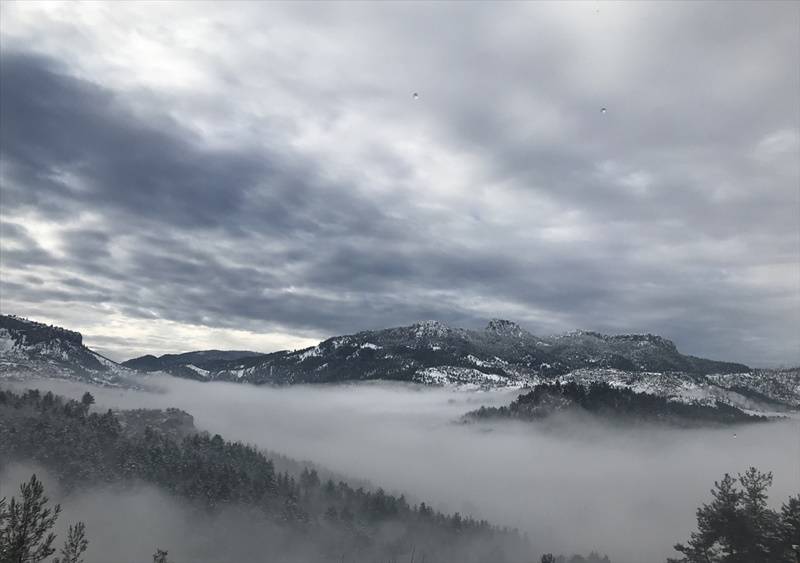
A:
431,353
613,404
191,365
506,355
28,347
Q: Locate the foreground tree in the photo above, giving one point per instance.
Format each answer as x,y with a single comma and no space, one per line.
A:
737,526
26,526
75,545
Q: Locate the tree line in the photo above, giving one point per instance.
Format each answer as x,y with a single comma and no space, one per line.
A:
600,398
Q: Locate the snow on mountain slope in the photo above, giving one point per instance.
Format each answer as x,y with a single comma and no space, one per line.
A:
682,387
780,384
28,348
503,355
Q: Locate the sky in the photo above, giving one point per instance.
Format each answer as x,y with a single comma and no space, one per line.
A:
179,176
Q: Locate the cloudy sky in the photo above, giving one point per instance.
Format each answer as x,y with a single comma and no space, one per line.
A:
180,176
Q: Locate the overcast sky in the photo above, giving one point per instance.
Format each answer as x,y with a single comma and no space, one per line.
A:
183,176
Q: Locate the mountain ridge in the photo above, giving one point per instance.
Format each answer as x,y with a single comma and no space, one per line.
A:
503,349
503,355
28,346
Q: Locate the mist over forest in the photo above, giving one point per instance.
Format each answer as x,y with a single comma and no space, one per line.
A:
574,485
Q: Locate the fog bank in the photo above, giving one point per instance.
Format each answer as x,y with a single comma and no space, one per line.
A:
574,488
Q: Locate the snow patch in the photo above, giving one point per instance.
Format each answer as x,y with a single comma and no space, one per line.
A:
200,371
7,342
466,378
309,353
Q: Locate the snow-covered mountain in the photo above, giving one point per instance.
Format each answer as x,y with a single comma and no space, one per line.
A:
432,352
503,355
31,348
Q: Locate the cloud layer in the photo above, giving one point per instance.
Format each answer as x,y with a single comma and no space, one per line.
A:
260,176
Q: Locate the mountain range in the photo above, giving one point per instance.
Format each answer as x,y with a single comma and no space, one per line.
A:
431,353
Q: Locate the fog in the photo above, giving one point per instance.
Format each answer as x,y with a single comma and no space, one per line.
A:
574,486
126,524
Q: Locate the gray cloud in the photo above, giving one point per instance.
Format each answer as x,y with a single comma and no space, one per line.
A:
285,181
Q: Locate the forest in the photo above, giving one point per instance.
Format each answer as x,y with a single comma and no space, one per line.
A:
310,518
600,398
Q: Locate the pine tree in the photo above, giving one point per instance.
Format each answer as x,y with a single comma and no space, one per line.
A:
790,529
761,523
25,526
739,527
75,545
86,401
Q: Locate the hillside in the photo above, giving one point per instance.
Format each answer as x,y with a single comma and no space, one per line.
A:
300,516
612,404
186,364
28,347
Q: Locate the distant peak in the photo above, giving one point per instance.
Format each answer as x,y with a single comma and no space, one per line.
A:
648,338
430,328
430,324
503,327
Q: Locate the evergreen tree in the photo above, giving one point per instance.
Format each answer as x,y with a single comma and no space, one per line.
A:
75,545
25,526
738,526
789,534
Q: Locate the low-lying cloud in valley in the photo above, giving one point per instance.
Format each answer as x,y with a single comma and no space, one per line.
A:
573,486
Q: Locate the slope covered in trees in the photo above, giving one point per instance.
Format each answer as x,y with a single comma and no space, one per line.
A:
602,399
325,518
